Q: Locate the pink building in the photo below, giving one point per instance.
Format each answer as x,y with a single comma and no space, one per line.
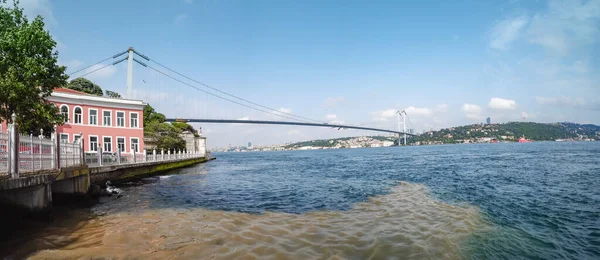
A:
108,123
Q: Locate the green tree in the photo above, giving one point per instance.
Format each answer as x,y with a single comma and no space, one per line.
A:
164,136
112,94
86,86
158,132
150,115
185,127
28,71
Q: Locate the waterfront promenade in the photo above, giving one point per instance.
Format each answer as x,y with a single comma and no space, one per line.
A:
32,169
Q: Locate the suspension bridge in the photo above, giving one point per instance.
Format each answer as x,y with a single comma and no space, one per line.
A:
133,56
55,166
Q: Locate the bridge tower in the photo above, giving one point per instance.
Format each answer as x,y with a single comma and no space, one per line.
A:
403,114
129,72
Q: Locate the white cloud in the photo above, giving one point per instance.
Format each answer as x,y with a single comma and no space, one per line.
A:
502,104
472,111
293,132
524,115
379,119
442,108
589,103
505,32
384,113
561,101
284,110
33,8
334,101
244,118
72,64
147,96
331,117
103,73
179,18
281,113
579,67
414,111
566,25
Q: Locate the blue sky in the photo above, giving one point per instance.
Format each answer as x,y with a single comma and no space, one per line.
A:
446,62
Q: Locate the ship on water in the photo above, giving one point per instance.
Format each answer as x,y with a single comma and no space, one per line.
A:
524,140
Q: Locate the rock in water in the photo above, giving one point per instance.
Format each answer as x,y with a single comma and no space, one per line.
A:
113,190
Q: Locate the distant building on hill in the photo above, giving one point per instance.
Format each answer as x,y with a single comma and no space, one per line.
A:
488,121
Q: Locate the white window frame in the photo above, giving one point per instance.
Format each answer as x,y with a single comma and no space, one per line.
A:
90,116
90,143
124,119
110,118
124,144
61,139
76,135
131,143
61,112
104,143
75,116
137,119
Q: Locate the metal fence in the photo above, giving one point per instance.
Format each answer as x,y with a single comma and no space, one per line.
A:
107,158
36,153
4,152
71,154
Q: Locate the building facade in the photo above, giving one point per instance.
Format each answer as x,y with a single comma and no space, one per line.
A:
194,143
104,124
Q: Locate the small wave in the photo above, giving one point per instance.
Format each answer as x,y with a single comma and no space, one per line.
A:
406,223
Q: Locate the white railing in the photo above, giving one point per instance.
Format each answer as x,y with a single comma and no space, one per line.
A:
28,153
71,154
118,158
36,153
4,149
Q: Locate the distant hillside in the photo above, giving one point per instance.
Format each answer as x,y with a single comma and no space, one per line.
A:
511,131
476,133
345,142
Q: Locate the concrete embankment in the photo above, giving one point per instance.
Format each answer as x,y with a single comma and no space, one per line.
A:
34,192
119,173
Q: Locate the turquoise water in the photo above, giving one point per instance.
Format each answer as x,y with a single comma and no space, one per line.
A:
490,201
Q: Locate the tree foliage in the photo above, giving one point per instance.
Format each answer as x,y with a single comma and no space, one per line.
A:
164,136
150,115
531,130
158,132
185,127
86,86
28,71
112,94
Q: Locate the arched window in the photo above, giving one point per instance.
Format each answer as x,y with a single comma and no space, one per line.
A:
64,110
78,116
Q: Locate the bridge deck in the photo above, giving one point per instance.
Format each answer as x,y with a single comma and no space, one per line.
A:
264,122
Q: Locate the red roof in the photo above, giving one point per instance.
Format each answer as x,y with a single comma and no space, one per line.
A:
69,91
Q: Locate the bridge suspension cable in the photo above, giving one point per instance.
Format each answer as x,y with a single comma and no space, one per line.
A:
224,98
297,117
87,67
